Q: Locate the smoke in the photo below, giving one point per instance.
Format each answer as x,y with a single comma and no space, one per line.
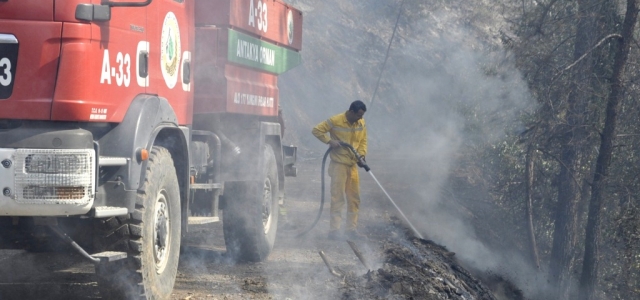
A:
453,93
443,90
448,87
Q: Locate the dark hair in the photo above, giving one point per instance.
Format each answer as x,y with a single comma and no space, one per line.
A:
357,105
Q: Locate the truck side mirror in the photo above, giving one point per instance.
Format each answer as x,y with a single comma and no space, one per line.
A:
93,12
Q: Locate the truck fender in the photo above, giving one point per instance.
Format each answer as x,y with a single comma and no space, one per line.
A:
141,125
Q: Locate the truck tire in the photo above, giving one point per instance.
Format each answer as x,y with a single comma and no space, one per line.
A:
150,236
250,217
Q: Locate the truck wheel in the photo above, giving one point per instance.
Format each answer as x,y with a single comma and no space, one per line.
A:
250,217
150,235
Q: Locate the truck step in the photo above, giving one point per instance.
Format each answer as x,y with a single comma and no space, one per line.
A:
206,186
290,157
110,256
203,220
109,211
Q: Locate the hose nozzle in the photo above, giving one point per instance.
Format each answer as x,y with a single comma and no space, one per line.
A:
363,165
361,162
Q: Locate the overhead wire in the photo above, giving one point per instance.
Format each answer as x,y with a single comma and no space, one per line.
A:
386,57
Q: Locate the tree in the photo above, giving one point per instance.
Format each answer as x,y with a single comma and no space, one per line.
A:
590,263
572,145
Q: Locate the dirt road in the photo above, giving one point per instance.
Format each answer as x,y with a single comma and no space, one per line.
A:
294,270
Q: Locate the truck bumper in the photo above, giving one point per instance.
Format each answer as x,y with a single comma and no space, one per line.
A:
46,182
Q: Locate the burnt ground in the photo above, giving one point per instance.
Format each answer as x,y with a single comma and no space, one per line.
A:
394,264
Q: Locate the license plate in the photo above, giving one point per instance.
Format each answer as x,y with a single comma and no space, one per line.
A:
8,65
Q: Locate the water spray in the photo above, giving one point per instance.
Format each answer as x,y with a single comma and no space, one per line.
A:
363,164
415,231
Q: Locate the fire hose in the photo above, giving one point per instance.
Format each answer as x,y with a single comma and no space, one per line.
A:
363,164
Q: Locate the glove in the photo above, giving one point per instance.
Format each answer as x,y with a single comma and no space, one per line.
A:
361,163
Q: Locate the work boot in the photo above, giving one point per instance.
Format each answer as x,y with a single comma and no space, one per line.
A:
355,235
336,235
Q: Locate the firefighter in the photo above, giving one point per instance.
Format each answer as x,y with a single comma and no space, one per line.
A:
348,127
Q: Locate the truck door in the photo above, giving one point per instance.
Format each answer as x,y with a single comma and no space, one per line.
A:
102,64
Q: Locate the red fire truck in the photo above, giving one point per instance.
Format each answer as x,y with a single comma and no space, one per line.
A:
125,123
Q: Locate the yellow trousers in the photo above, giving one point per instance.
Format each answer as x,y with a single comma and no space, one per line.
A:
344,181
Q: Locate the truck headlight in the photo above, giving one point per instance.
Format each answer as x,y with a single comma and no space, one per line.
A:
54,163
54,175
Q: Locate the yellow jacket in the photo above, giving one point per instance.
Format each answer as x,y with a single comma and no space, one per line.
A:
340,129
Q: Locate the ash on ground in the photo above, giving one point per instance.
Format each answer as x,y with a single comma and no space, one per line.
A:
414,268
